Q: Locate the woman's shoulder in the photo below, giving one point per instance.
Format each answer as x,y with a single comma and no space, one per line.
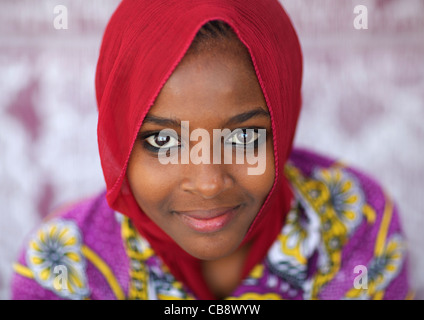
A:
340,193
351,222
336,180
70,249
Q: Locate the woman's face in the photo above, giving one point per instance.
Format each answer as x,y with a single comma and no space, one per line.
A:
206,209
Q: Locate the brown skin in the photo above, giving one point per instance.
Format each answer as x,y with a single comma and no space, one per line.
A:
206,89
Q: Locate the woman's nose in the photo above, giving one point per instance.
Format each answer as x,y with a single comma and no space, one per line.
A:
206,180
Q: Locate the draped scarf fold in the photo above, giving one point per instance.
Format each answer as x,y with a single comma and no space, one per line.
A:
143,43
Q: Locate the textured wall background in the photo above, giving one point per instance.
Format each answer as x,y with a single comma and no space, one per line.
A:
363,103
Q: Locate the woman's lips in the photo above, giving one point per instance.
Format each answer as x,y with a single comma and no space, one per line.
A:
208,221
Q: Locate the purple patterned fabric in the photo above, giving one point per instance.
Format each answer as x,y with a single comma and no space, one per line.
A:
341,240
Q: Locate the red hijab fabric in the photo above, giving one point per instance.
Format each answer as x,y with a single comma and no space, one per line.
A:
142,45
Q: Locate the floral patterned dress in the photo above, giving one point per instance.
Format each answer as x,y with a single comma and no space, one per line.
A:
341,240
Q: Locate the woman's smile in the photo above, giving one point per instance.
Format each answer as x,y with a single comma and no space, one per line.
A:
208,221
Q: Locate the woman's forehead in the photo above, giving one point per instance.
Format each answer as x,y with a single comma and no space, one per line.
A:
212,81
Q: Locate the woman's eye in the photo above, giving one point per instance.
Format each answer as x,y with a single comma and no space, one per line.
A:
244,137
162,141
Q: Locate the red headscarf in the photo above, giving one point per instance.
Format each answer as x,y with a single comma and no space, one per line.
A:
143,43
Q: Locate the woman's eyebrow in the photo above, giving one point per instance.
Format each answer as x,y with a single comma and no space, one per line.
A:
237,119
166,122
242,117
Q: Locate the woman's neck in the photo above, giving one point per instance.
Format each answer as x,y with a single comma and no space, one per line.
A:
223,276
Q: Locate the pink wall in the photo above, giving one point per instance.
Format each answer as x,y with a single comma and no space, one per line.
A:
363,102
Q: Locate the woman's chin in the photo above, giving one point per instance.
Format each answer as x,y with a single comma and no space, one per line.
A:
211,254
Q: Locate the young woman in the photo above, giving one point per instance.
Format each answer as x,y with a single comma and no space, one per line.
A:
206,198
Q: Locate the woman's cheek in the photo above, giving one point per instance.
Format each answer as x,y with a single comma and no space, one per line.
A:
148,178
157,180
261,184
